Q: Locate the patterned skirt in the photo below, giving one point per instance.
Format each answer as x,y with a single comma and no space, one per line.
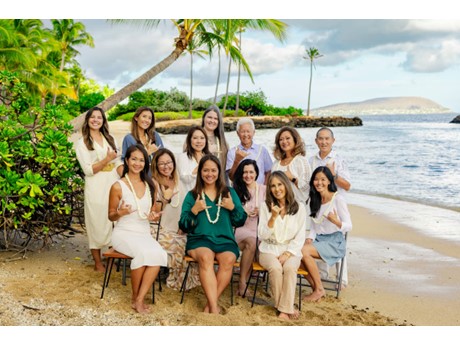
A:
174,245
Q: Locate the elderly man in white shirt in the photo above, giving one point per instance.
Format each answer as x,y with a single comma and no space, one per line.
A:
326,156
248,149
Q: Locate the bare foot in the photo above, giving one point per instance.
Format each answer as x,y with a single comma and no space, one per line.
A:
294,316
209,310
141,308
99,268
315,296
241,289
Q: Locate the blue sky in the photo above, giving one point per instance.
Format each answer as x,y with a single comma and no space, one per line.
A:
362,58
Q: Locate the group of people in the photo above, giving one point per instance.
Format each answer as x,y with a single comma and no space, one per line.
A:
214,203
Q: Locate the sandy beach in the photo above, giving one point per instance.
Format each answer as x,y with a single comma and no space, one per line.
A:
397,276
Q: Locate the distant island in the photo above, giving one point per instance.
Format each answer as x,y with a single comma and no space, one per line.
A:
383,106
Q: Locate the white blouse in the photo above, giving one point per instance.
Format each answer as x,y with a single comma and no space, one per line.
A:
301,170
321,225
287,234
185,167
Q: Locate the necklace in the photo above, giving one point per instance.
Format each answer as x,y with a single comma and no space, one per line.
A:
218,209
147,190
328,210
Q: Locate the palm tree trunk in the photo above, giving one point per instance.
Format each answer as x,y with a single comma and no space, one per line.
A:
228,82
136,84
61,68
218,80
237,106
191,85
309,87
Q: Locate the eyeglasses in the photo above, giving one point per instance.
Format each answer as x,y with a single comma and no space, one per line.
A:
163,165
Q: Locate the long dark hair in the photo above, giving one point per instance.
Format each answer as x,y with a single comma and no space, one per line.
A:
315,197
188,141
144,174
240,186
135,129
104,130
220,182
291,204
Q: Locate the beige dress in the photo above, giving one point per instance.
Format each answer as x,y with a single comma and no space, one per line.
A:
97,188
174,243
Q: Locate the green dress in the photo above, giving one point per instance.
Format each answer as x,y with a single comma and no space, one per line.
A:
218,237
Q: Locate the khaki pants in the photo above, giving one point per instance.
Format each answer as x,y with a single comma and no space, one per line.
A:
282,279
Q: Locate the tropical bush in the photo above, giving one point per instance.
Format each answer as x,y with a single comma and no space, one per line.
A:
41,188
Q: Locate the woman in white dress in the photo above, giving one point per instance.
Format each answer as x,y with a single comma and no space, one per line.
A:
282,228
195,147
290,157
170,196
98,155
252,195
131,206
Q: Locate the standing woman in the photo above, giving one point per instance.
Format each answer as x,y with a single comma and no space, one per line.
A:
290,157
131,206
143,132
330,221
252,195
196,146
213,124
97,154
170,195
209,213
282,227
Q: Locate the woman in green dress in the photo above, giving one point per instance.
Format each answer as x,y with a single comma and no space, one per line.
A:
209,213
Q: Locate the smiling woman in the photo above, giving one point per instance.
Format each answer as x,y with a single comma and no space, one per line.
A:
209,213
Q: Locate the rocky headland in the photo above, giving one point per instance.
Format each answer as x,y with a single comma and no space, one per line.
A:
262,122
456,119
383,106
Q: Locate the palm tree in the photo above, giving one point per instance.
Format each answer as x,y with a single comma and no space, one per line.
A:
69,34
193,48
275,27
187,28
312,54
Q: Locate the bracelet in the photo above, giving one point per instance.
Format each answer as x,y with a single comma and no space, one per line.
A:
288,254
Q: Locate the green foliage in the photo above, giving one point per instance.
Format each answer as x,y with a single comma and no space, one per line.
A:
40,185
255,103
159,101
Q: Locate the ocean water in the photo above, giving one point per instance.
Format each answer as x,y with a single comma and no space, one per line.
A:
404,166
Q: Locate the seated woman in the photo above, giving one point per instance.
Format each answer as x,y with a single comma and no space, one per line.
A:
209,213
282,228
131,206
330,221
251,195
170,196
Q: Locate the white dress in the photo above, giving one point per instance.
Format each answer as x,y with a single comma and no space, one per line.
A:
97,189
131,234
